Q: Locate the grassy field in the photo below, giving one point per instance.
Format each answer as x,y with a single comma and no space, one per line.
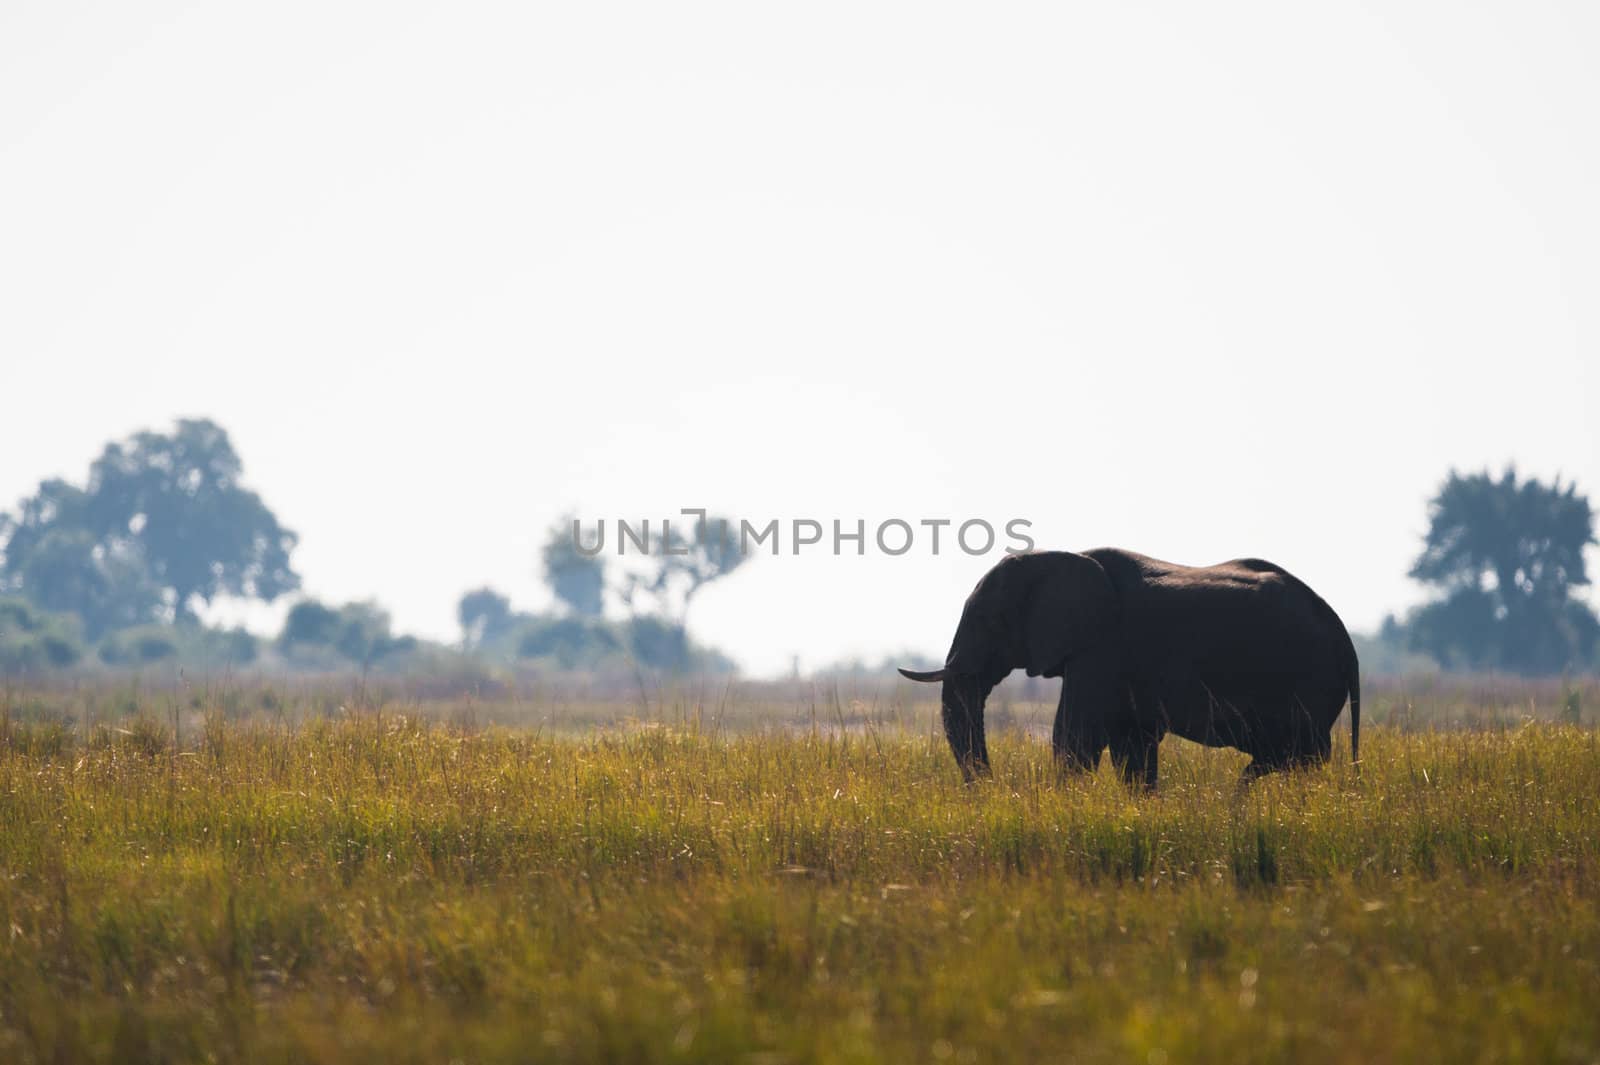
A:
184,880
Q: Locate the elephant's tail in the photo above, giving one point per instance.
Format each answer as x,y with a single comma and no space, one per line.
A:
1352,679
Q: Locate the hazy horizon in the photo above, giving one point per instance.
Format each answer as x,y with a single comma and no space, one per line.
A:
1200,283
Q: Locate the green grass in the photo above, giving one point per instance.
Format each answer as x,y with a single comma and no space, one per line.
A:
373,887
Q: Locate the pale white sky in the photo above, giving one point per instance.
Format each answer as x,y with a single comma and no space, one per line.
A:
1199,280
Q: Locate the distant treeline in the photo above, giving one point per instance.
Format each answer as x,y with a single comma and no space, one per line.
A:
115,572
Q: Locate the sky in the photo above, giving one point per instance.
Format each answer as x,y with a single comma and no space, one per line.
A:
1203,281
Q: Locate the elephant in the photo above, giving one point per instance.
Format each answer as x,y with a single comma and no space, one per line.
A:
1241,654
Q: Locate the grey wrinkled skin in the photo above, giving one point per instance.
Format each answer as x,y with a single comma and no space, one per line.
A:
1241,654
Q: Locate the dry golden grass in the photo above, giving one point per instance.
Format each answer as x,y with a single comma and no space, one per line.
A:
375,887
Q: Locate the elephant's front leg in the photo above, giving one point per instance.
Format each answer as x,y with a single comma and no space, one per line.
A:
1077,747
1080,734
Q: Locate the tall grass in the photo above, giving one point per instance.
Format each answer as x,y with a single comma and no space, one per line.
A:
377,885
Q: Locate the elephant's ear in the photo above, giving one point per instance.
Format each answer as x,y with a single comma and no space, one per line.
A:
1073,606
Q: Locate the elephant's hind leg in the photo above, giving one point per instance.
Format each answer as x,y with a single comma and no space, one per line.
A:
1289,755
1135,756
1310,736
1258,767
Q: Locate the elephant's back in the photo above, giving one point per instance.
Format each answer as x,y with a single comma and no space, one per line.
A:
1243,608
1250,577
1257,587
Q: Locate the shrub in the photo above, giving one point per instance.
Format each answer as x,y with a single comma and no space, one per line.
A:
34,640
142,646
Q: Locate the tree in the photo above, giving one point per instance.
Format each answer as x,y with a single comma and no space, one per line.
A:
163,524
658,643
682,567
364,634
201,532
142,646
572,642
485,615
55,506
685,566
309,623
53,560
32,640
356,632
665,645
106,585
578,580
1507,555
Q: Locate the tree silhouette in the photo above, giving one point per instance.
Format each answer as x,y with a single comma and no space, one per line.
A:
356,632
201,532
484,615
578,580
162,525
33,640
685,565
1507,555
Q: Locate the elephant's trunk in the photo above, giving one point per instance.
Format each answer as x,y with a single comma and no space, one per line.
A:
962,705
970,673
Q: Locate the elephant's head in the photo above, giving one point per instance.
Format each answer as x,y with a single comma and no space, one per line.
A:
1033,611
